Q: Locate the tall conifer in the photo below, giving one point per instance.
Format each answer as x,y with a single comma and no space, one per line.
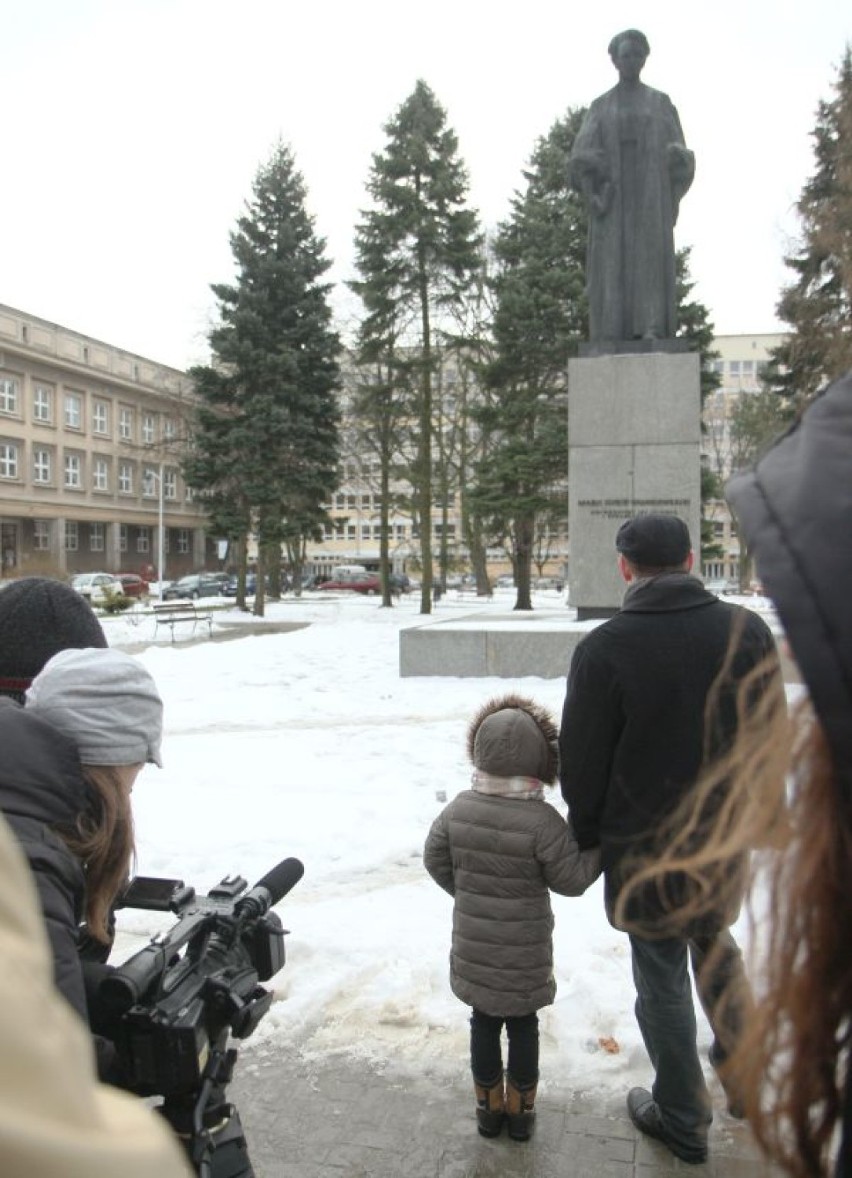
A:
267,427
416,253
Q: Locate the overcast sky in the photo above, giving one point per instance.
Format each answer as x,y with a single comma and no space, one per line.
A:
133,129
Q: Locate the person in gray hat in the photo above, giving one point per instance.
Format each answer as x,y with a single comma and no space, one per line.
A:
651,692
789,781
498,848
93,718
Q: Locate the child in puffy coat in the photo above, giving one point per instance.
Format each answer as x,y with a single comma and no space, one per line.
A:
498,848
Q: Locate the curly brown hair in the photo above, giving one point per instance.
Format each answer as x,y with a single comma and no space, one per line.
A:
782,804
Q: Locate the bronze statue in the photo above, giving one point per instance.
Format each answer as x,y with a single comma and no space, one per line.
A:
632,166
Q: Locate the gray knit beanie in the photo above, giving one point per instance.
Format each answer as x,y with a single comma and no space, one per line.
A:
38,617
105,701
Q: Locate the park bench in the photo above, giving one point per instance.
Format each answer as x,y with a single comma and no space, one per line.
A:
176,613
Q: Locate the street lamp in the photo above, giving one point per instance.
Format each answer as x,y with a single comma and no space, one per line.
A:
152,474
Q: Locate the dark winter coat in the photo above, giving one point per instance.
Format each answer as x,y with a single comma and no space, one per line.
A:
633,737
794,509
41,788
498,857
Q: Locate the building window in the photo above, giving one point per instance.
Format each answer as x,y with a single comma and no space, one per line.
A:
72,536
183,541
734,368
42,466
143,540
100,417
122,537
97,537
100,475
170,484
125,424
168,429
8,460
149,484
125,478
73,471
41,535
43,403
148,428
351,532
73,411
8,394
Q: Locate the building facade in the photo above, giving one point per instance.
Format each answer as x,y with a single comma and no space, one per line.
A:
90,441
740,362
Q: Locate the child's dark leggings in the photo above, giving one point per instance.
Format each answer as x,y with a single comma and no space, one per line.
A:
486,1060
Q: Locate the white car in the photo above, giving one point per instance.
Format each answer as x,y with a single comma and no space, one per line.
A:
96,587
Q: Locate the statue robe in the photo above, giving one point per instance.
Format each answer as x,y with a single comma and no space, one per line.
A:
630,153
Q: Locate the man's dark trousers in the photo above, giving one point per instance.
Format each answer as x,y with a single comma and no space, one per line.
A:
666,1017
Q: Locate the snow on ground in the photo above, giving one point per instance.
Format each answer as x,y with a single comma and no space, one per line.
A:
308,743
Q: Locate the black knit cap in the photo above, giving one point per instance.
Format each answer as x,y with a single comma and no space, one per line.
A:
38,618
654,540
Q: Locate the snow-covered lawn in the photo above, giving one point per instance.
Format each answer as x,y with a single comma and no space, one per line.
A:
308,743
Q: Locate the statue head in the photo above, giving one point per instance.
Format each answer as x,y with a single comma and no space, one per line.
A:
629,51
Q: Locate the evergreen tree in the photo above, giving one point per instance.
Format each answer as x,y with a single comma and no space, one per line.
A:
695,326
416,252
818,302
540,316
267,425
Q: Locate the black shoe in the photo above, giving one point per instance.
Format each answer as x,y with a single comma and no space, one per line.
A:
736,1105
645,1115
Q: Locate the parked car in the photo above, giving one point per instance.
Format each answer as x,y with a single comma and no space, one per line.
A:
133,585
96,587
353,578
195,585
229,588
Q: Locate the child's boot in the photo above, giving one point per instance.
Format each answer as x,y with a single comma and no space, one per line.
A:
490,1107
520,1110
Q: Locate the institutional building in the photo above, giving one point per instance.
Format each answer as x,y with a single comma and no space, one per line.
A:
740,363
89,442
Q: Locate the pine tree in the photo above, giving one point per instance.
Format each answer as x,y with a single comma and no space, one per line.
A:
540,316
267,427
416,252
694,325
818,302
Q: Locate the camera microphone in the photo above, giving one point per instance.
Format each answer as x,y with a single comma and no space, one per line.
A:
269,890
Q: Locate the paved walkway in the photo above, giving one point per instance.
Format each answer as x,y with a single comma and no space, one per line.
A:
337,1118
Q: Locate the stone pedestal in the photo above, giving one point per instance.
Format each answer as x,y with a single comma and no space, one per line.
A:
634,436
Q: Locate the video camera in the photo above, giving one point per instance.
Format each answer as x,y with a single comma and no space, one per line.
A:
174,1004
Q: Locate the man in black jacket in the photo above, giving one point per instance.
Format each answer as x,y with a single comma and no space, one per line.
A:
636,730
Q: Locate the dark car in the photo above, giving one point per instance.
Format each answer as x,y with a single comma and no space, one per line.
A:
194,586
229,588
133,585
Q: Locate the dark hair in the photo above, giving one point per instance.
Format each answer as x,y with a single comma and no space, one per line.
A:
629,35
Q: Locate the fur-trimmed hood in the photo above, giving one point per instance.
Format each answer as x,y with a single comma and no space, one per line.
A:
513,736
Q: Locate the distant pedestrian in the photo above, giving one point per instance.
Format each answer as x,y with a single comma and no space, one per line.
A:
498,848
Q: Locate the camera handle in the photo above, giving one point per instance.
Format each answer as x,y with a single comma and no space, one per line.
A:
208,1126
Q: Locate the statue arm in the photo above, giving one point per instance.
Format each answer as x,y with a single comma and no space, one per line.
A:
591,174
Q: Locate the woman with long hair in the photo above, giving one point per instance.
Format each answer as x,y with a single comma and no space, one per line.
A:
784,795
71,755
